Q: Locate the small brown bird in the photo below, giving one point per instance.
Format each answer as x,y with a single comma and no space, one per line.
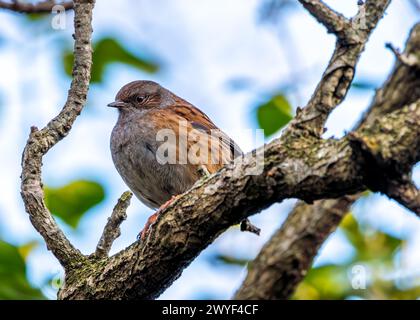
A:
161,145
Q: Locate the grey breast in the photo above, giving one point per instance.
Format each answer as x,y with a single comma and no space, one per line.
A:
133,149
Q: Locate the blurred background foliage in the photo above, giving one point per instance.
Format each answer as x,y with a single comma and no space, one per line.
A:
372,272
376,254
274,114
71,201
107,51
13,280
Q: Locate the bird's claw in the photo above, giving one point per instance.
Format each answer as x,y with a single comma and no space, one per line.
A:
152,219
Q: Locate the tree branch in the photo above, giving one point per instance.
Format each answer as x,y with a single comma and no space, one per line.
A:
335,22
405,193
308,169
40,141
296,165
287,256
401,88
112,228
385,171
284,269
336,80
41,7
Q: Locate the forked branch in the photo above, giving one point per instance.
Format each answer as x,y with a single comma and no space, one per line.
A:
336,80
40,141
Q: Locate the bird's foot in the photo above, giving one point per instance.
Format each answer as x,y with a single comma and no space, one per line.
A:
152,219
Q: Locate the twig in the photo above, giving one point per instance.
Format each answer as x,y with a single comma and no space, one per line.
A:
41,7
401,88
246,225
41,141
409,60
112,228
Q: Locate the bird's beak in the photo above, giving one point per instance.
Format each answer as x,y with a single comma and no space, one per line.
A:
117,104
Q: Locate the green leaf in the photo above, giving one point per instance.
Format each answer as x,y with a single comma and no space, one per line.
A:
27,248
352,232
71,201
370,246
274,114
230,260
36,16
13,281
107,51
10,258
326,282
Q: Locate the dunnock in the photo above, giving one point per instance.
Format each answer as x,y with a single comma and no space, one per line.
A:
161,145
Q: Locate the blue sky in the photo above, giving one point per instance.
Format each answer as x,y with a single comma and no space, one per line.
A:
203,46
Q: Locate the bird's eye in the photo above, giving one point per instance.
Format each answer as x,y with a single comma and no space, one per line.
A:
140,99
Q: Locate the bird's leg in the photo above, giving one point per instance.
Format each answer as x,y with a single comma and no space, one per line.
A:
152,219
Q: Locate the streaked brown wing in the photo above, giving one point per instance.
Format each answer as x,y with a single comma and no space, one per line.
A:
200,121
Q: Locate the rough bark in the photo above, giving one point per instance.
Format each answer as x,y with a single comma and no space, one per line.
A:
352,37
40,141
298,165
285,259
335,22
112,228
309,169
288,255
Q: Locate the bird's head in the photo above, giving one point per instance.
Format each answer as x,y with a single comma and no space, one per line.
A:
141,95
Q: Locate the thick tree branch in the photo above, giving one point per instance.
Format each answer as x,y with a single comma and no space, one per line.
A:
339,74
112,228
334,22
40,141
307,168
287,256
406,193
284,269
386,172
297,165
285,259
41,7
